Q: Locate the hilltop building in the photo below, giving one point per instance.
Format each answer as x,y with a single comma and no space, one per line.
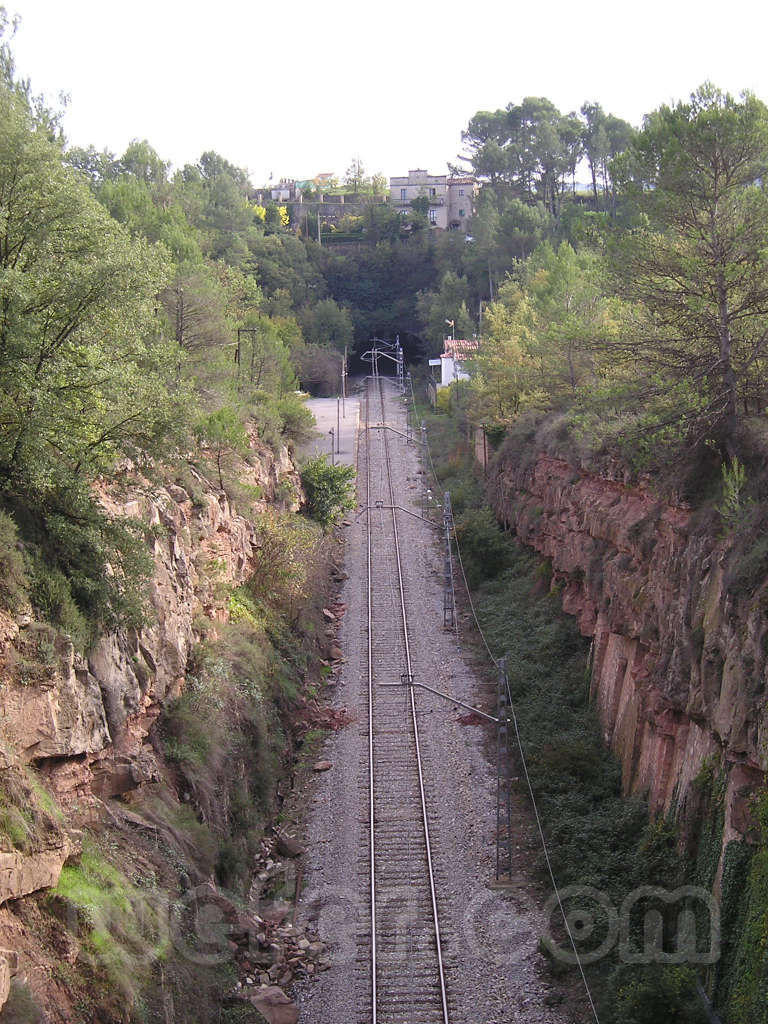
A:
451,200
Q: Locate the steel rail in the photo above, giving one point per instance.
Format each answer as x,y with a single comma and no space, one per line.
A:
371,817
414,719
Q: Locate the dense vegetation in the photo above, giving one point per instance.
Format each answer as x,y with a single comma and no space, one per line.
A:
596,837
641,321
158,322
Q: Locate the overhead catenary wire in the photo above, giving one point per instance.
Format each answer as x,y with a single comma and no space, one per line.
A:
518,738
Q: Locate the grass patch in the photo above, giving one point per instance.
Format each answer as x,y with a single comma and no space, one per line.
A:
29,816
121,925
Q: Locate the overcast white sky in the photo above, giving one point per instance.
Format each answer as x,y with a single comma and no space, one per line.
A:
294,88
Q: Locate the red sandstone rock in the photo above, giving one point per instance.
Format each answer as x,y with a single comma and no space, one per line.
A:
679,667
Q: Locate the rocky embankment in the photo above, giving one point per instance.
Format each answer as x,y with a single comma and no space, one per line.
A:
85,724
679,660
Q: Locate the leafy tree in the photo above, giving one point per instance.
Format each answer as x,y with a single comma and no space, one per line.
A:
522,227
275,218
266,358
97,167
196,306
530,150
327,323
566,290
222,432
420,205
319,368
140,161
82,370
448,303
298,421
355,175
595,143
131,201
544,336
281,263
380,223
214,195
503,370
486,139
696,268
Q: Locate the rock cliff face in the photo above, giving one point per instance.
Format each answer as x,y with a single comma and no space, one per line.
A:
679,662
86,724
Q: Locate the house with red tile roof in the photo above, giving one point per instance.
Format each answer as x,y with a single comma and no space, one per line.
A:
456,353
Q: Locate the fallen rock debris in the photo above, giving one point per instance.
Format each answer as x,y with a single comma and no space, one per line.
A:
271,950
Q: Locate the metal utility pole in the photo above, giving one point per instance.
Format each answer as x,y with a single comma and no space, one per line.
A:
338,427
449,599
344,384
333,461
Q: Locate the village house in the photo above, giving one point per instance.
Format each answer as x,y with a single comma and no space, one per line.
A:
452,360
451,200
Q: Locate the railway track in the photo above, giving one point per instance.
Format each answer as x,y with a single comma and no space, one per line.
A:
402,950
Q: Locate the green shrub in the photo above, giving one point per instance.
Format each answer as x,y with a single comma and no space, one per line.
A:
743,980
223,434
52,596
732,505
225,738
484,548
288,553
14,583
654,994
443,400
121,924
748,559
298,421
28,814
329,490
87,571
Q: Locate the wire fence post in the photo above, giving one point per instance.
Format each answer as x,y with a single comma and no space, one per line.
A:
503,780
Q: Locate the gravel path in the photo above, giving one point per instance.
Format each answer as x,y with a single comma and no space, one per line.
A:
494,973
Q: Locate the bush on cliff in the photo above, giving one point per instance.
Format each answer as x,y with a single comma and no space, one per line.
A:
329,490
225,739
14,581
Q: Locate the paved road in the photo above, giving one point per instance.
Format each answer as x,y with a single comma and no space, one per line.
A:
325,412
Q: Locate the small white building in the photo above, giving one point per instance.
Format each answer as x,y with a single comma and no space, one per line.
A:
452,359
